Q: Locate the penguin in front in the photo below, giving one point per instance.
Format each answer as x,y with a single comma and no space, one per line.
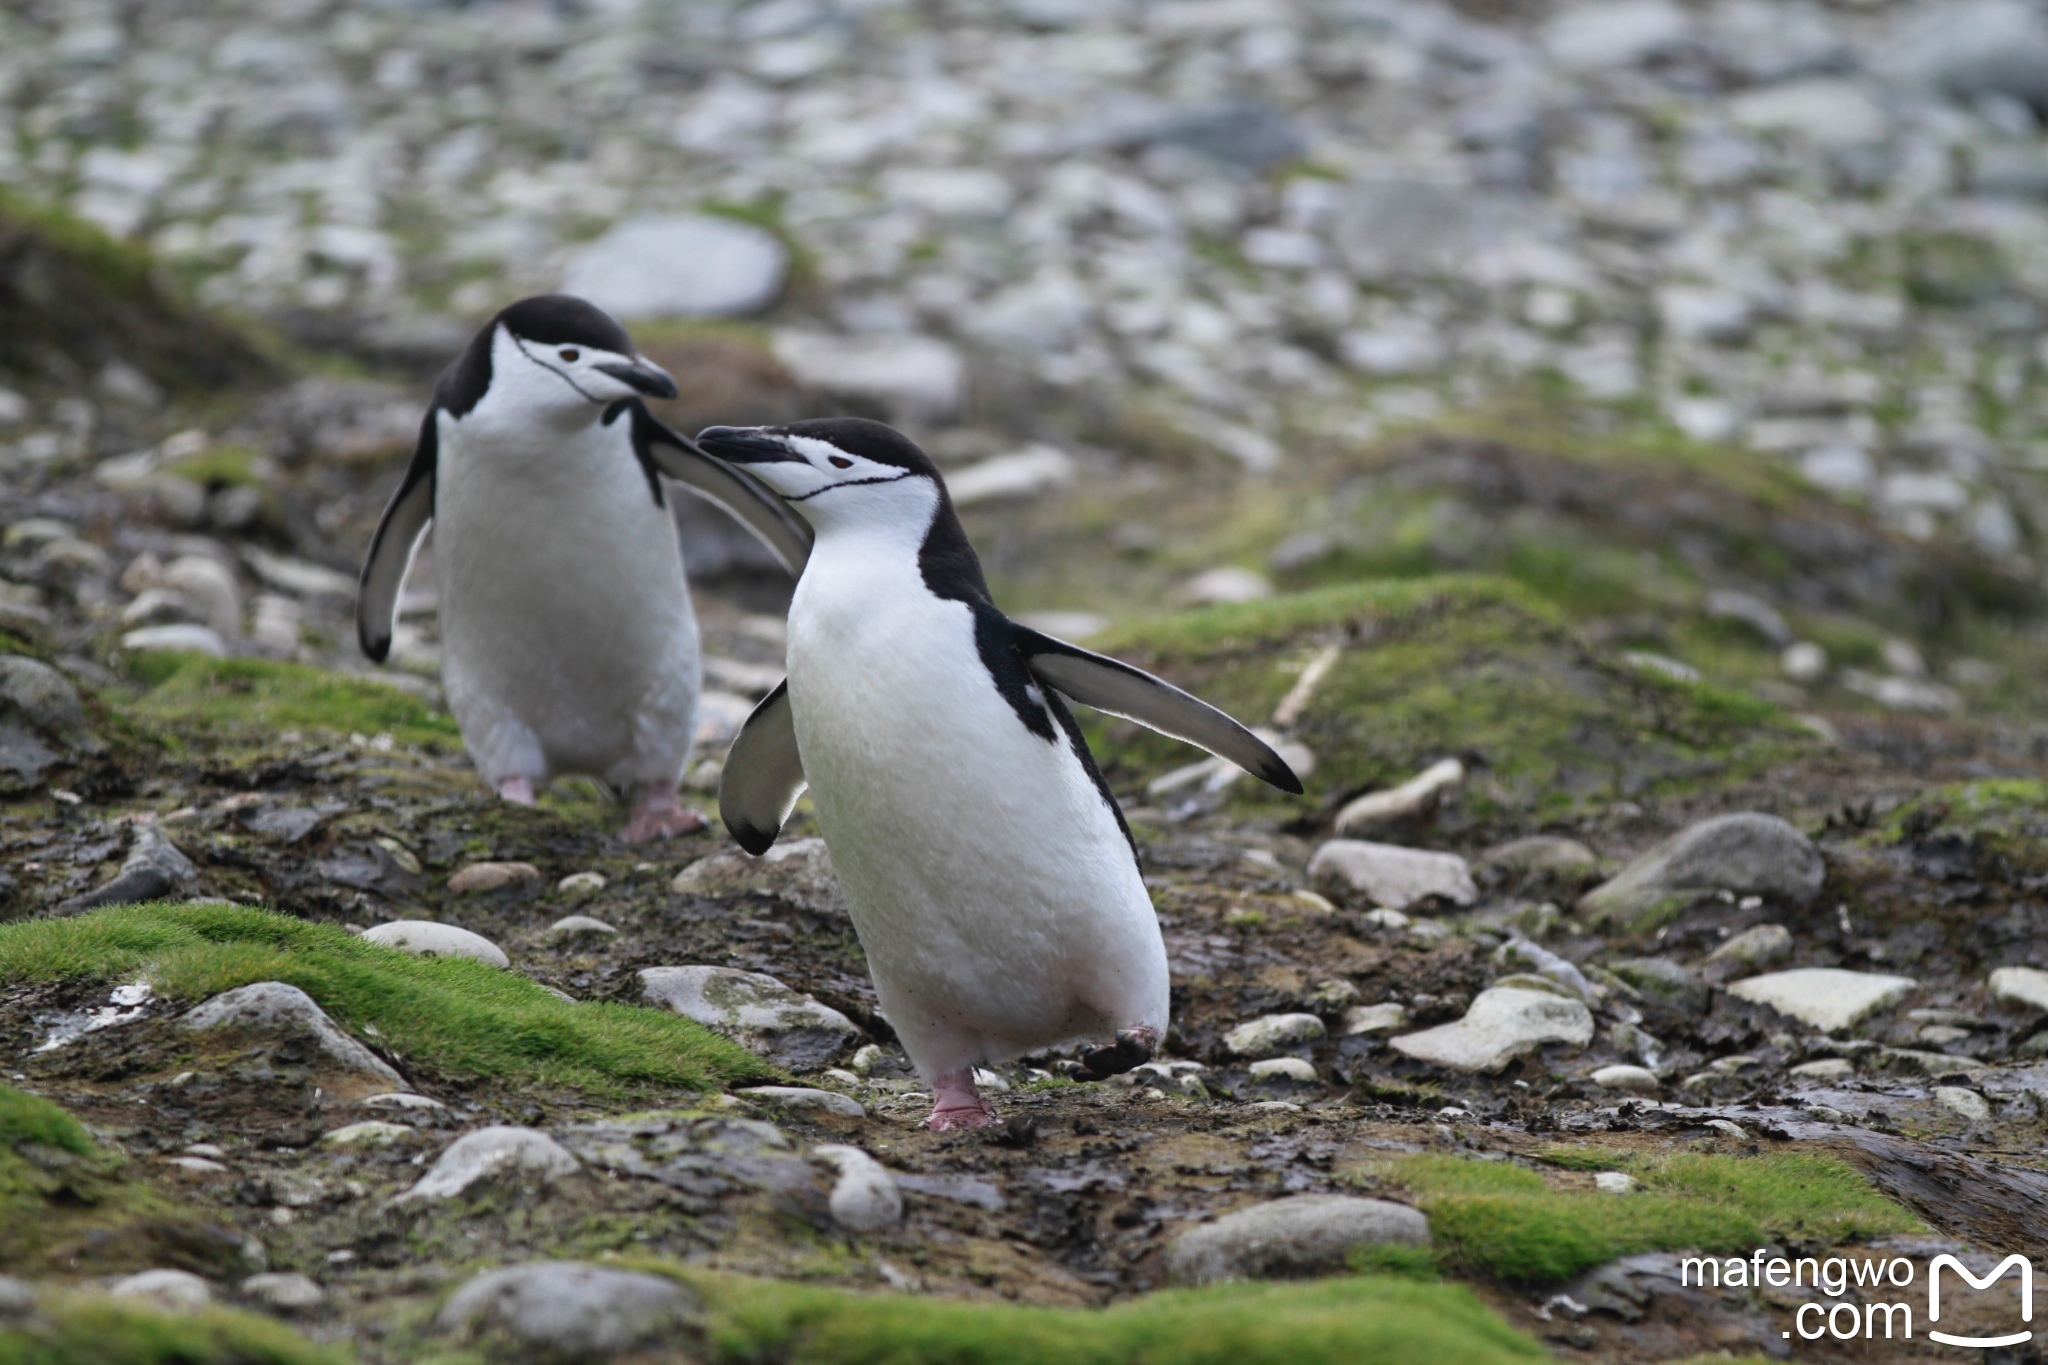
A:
568,640
989,872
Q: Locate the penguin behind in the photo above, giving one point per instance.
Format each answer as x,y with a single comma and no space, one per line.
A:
989,872
568,640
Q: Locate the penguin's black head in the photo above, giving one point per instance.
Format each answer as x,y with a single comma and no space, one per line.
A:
835,466
552,355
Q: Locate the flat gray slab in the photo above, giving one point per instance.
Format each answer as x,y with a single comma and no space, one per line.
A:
1309,1234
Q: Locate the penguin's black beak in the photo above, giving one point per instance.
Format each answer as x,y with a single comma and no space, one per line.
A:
649,379
746,445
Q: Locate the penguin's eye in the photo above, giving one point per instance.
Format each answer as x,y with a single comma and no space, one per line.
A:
841,462
570,354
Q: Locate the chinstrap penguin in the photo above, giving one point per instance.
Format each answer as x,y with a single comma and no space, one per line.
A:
568,640
989,872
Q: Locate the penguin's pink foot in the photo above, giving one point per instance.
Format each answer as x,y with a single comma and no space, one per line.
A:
660,814
517,790
1133,1048
956,1104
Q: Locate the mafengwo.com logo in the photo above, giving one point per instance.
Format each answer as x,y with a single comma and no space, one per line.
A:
1876,1299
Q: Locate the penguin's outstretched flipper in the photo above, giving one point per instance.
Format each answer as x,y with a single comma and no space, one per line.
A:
763,774
397,540
663,449
1109,685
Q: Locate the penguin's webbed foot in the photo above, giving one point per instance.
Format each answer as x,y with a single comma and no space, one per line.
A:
1132,1049
517,790
660,815
957,1104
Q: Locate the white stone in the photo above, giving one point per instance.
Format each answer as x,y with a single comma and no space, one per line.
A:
1826,111
1283,1068
865,1197
1272,1032
1417,795
1710,420
1698,313
429,938
949,192
1307,1234
1967,48
178,1291
1840,468
400,1099
581,885
801,1097
1967,1103
1026,473
798,870
490,1152
576,926
1226,584
273,1007
369,1133
188,639
210,586
755,1010
1756,947
1374,1018
2026,986
915,377
1804,662
1502,1024
1633,1080
476,877
1616,33
1747,853
1826,998
1616,1182
286,1292
680,265
1393,876
1825,1069
571,1310
1392,351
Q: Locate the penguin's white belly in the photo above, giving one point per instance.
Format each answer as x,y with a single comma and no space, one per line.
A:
994,893
568,640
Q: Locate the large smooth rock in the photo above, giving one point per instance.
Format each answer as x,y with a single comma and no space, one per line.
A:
1023,473
1502,1024
798,1097
2026,986
476,877
182,639
429,938
487,1153
1545,855
179,1291
1630,1080
795,870
1753,949
1827,998
756,1011
1415,797
43,696
574,1310
680,265
1827,112
914,377
865,1197
1272,1033
1393,876
1746,854
284,1292
275,1010
1309,1234
1605,34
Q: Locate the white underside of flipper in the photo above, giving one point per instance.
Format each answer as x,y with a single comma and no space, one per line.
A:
568,640
994,893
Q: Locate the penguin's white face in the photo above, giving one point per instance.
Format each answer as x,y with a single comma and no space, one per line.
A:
567,379
836,472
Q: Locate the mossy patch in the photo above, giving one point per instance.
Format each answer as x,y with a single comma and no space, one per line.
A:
2005,817
453,1014
241,698
1346,1319
87,1329
1432,667
1508,1222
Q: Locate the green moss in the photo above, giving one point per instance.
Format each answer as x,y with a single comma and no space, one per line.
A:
2007,816
1339,1320
1508,1223
82,1329
1431,667
121,268
455,1014
30,1118
258,698
219,467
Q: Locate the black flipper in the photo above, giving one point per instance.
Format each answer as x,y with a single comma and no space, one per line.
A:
1110,685
396,542
662,449
764,774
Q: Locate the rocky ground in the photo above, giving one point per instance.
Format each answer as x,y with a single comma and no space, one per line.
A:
1651,609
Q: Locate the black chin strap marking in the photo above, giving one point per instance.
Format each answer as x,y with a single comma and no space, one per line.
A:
850,483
